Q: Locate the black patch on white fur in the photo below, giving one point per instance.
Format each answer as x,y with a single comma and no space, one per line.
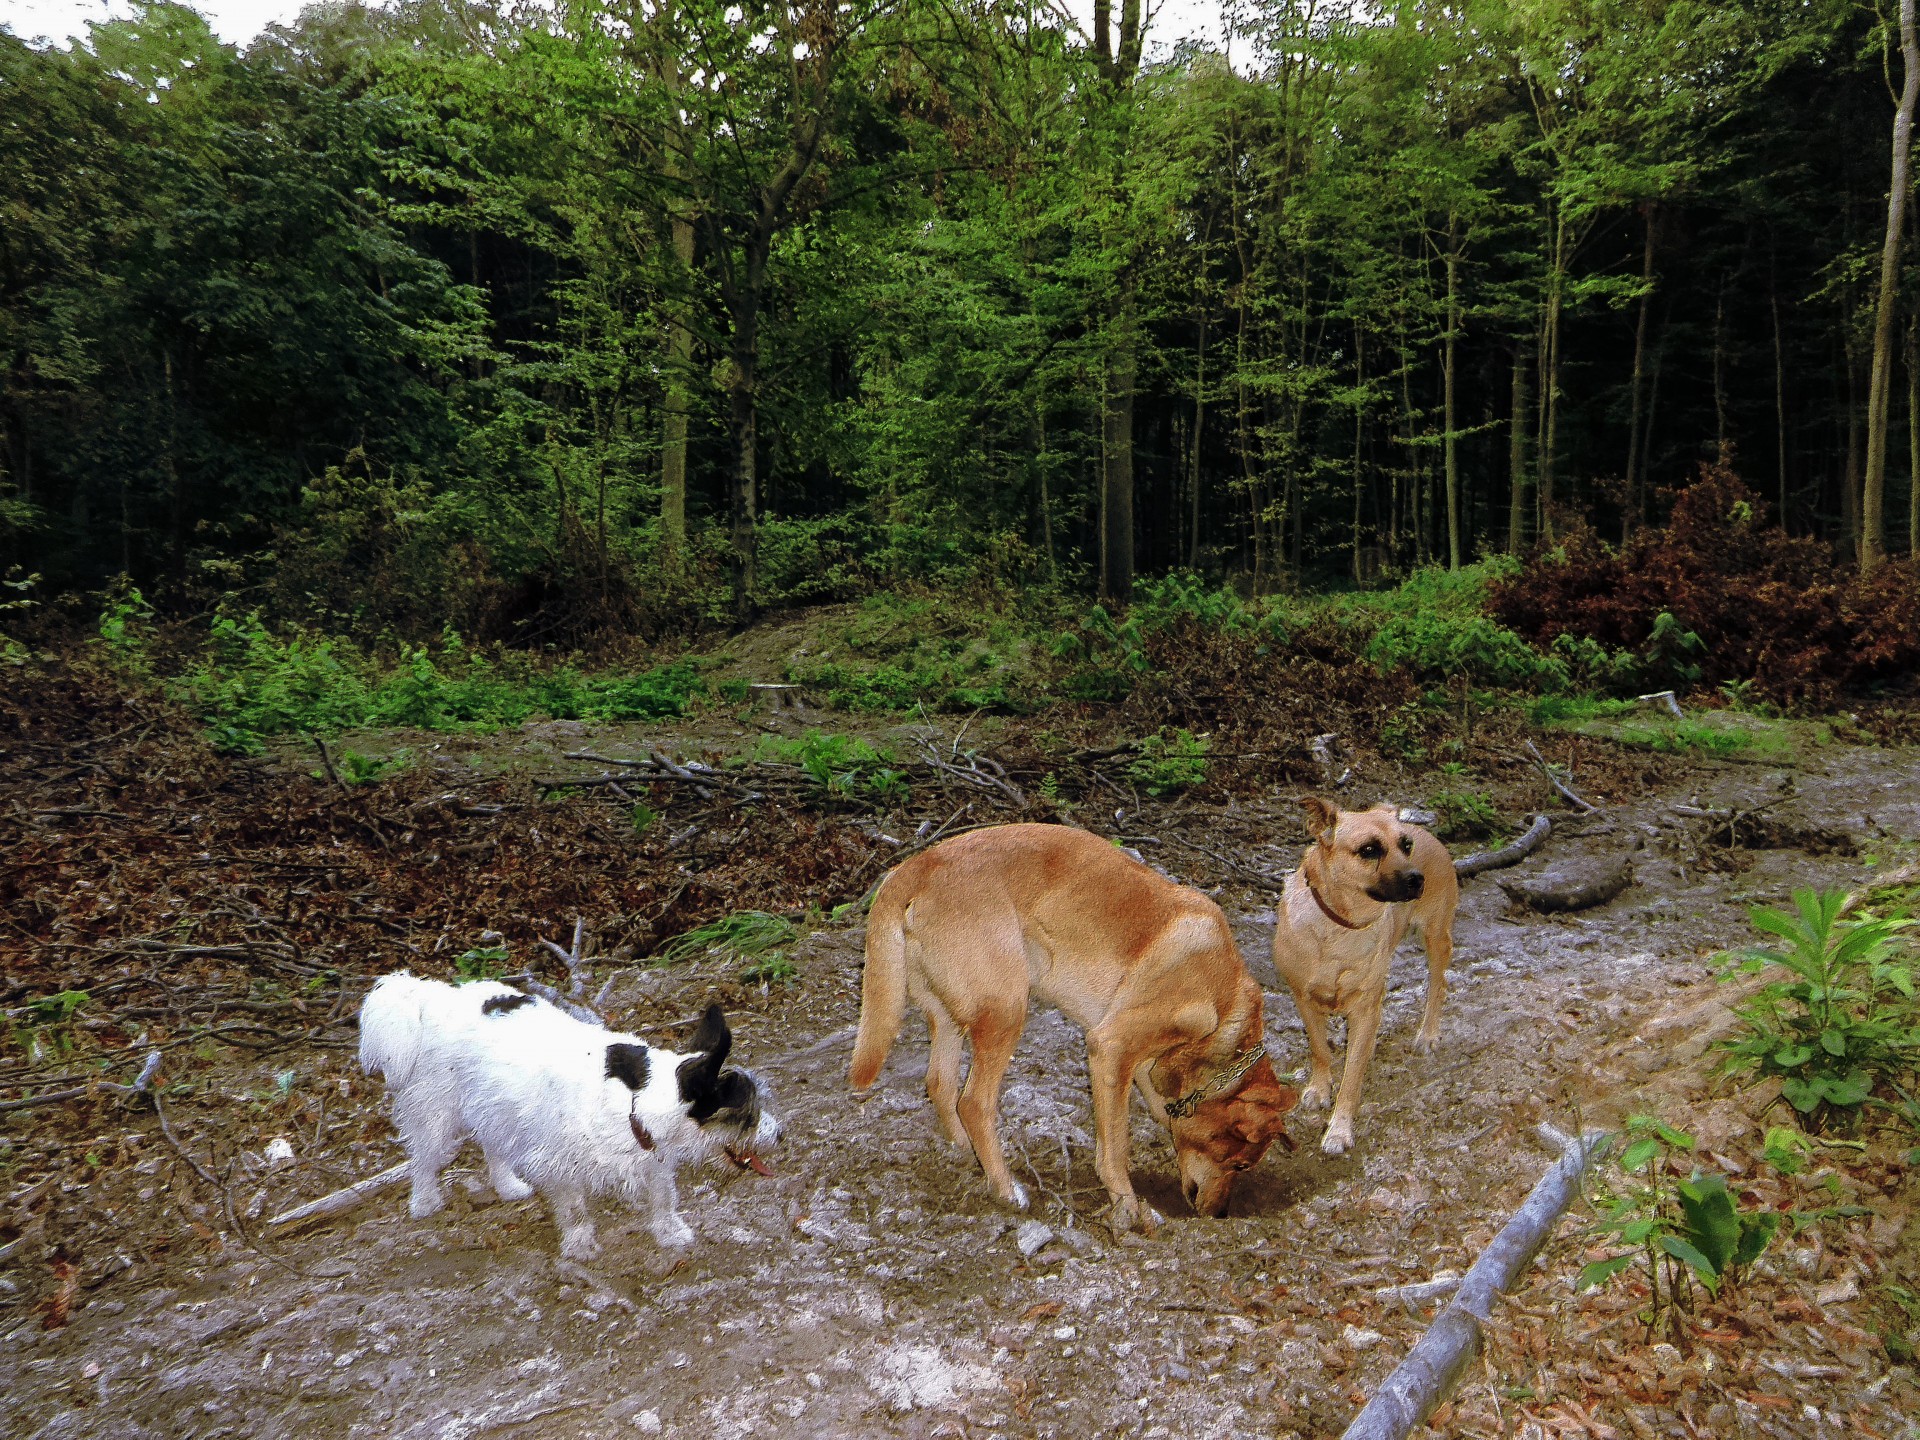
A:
629,1064
504,1004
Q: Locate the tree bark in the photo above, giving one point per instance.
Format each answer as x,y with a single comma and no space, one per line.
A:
1517,455
1359,436
1873,492
1550,384
1850,478
1634,511
1779,388
1448,441
1116,470
1913,438
673,440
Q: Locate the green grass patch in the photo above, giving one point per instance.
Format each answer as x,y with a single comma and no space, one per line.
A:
758,939
253,683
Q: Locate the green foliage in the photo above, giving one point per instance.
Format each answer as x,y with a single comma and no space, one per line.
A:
125,627
482,962
752,936
1104,656
358,769
1844,1022
1683,1231
907,652
1465,814
45,1030
253,683
1168,764
840,765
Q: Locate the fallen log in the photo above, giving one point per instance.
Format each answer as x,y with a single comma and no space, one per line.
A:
343,1199
1509,854
1575,885
1424,1378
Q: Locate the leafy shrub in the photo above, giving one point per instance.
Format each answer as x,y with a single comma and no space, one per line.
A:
1720,595
254,683
839,765
1683,1231
1465,814
1844,1023
1168,765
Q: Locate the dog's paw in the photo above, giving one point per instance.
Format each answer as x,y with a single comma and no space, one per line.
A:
511,1187
1133,1216
580,1245
425,1204
1338,1139
1426,1043
1016,1196
1315,1096
674,1233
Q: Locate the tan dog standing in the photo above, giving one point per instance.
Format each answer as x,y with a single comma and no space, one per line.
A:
1364,882
976,926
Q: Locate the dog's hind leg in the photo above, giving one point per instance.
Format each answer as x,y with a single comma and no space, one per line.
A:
1437,938
995,1034
943,1066
575,1222
506,1184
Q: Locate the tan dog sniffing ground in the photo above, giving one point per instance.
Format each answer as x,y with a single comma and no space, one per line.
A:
1364,882
976,926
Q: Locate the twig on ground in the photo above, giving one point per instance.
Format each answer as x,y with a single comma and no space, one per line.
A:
342,1199
1560,787
326,761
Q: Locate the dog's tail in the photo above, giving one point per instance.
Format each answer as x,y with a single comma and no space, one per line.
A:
883,986
392,1022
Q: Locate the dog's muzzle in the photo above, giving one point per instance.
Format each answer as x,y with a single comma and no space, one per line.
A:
1397,889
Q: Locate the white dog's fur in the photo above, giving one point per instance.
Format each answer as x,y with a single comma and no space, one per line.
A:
559,1106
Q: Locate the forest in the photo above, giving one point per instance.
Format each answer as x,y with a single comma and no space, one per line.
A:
604,498
552,320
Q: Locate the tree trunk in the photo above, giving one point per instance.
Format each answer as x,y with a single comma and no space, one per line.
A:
1850,480
1779,389
1517,455
1116,471
1873,495
1199,432
1721,439
1448,441
1913,438
673,444
744,407
1634,509
1550,384
1359,435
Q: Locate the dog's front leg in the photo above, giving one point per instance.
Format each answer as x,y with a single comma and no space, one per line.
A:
1320,1077
1439,946
1111,1069
1363,1028
664,1192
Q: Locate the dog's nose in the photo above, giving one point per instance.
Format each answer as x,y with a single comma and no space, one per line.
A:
1416,883
1191,1190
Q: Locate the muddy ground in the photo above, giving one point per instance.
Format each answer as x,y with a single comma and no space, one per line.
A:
873,1288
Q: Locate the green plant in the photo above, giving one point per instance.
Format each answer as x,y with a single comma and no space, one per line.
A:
125,626
1843,1021
1168,765
358,769
1683,1231
642,816
752,935
839,764
483,962
1465,814
48,1031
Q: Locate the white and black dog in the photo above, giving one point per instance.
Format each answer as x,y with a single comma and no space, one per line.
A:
559,1106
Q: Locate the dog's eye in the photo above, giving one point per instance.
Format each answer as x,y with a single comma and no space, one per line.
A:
1406,844
1372,850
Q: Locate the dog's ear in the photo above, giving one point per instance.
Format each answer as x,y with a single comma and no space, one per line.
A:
1321,816
629,1064
711,1042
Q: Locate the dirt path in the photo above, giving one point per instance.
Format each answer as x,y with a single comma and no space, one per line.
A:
872,1287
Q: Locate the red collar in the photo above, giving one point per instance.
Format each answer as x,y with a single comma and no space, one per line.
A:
1332,914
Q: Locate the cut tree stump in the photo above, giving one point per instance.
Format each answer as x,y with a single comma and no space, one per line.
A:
1433,1366
1572,884
776,699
